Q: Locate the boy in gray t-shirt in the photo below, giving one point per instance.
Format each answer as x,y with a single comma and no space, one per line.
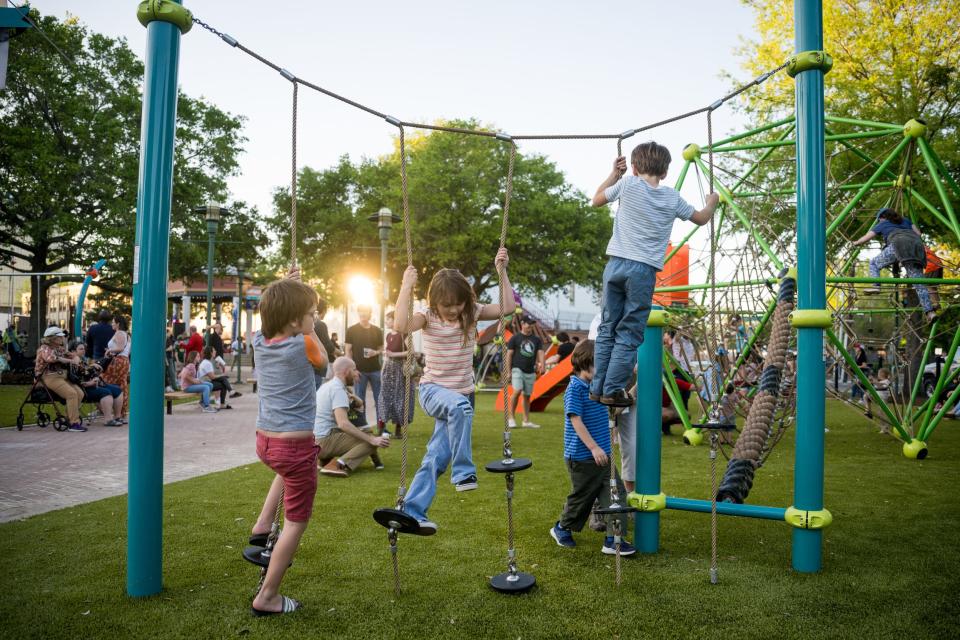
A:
641,230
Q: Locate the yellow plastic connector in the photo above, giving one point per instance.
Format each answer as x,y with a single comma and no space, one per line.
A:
915,449
903,181
807,318
165,11
807,60
802,519
658,318
791,273
915,128
647,502
691,152
692,437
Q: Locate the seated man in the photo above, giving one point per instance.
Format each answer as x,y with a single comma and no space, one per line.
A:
342,445
107,397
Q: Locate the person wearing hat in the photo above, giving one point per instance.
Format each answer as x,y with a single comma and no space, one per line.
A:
524,362
901,243
51,367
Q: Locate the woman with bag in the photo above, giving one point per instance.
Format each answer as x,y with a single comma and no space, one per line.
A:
392,376
117,371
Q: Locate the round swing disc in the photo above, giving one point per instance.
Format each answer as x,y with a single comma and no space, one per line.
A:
513,583
255,556
515,464
611,510
398,520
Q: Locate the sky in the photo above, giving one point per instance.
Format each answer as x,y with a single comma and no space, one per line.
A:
521,67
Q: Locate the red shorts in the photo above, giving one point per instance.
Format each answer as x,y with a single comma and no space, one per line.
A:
294,460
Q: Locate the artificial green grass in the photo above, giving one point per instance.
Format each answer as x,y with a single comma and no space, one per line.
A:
890,558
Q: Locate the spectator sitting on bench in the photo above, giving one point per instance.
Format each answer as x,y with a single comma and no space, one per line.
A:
220,366
191,383
343,446
107,397
207,371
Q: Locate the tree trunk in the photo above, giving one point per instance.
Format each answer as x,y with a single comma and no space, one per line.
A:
38,311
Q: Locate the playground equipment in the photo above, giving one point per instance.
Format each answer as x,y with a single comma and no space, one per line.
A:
166,20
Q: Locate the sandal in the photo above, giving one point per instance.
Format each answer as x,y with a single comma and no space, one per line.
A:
113,423
289,606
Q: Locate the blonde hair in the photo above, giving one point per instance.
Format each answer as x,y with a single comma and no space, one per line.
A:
449,287
284,302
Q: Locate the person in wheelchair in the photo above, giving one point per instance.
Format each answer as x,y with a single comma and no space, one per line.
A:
51,366
107,397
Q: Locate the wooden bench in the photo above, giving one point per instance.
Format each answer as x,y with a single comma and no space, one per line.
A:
176,395
252,381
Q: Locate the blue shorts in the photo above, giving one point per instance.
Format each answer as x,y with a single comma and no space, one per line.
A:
521,381
96,394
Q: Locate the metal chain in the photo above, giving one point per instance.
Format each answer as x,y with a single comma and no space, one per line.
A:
233,42
293,182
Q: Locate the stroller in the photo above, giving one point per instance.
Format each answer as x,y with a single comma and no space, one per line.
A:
40,396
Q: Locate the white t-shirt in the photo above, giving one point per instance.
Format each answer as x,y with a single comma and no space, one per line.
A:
331,395
205,368
594,327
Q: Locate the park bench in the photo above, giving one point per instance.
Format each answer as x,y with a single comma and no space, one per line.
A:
176,395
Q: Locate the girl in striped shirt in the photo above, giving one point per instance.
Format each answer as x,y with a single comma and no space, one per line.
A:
449,326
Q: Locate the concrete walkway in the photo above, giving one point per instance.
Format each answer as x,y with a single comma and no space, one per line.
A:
42,469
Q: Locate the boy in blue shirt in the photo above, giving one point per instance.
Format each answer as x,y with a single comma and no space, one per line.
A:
637,248
587,451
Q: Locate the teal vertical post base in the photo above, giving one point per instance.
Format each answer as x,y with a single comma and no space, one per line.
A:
151,260
646,535
811,284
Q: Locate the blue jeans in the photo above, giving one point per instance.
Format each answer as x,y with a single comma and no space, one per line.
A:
204,389
888,257
450,441
627,294
374,379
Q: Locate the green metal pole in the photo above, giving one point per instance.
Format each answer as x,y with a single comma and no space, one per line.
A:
719,285
951,401
151,260
945,173
786,143
867,186
239,336
673,390
811,285
916,195
943,376
742,216
211,239
888,280
938,183
867,385
864,123
922,409
787,192
751,132
923,363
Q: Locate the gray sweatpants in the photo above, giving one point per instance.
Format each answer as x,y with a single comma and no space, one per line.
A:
590,482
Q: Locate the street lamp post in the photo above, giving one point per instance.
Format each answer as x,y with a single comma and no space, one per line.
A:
384,219
241,263
211,213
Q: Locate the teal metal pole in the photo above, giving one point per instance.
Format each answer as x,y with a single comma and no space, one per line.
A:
150,263
78,315
649,382
727,508
811,285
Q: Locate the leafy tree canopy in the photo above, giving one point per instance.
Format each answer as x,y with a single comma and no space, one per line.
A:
69,160
456,193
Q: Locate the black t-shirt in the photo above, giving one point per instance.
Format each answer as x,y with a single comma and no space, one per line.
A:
360,338
524,350
214,340
565,349
320,327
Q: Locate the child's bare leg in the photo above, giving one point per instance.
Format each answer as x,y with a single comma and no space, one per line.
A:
514,400
628,484
269,511
526,408
106,408
269,597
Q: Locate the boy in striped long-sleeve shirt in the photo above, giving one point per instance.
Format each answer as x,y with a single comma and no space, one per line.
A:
641,230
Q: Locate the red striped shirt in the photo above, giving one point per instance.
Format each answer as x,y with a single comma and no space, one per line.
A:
449,362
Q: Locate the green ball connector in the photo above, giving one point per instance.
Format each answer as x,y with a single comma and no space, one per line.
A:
915,449
691,152
692,437
915,128
554,340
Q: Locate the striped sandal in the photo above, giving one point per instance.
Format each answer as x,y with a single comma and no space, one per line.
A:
289,606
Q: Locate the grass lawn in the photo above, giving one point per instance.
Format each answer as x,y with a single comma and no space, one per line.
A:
891,557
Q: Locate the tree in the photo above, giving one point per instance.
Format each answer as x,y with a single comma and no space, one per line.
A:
69,159
456,195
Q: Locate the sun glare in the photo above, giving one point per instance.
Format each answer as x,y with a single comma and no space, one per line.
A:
360,289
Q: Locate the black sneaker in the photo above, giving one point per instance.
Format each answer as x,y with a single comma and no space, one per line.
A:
467,484
619,398
235,394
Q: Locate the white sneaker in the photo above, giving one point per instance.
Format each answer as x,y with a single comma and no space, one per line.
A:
209,409
168,389
511,423
530,425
